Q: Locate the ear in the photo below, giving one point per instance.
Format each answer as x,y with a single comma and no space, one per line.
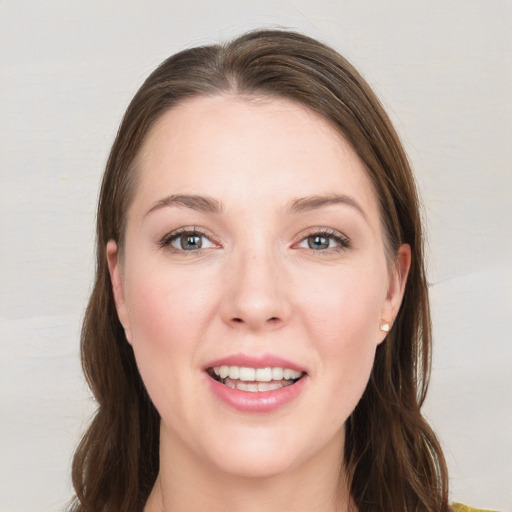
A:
396,288
116,278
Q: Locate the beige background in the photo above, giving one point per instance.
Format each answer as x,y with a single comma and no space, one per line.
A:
68,69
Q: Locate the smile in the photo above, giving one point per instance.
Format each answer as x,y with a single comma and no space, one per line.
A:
256,384
255,379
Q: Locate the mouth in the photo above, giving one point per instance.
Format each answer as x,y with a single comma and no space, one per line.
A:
255,380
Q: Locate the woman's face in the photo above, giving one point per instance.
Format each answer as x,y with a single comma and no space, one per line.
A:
254,250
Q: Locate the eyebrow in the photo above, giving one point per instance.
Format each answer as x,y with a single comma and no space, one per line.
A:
194,202
313,202
210,205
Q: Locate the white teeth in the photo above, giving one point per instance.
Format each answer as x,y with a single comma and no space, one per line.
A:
267,374
266,386
230,383
291,374
234,372
247,374
243,386
263,374
254,387
277,373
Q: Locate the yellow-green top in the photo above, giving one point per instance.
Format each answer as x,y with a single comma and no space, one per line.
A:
459,507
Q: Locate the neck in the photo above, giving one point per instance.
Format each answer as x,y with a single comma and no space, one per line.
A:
185,483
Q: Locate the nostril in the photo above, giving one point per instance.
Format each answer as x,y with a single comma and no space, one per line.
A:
240,321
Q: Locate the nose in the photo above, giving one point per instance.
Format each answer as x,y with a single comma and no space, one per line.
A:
256,296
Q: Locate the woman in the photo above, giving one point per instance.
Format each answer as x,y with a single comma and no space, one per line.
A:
258,336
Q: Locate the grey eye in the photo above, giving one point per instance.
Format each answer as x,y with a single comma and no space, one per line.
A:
318,242
190,242
323,241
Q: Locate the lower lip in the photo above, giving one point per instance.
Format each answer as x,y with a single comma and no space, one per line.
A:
258,401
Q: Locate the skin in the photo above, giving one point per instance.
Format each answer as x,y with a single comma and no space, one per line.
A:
255,287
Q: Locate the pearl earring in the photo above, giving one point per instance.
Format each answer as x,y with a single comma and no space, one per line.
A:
384,326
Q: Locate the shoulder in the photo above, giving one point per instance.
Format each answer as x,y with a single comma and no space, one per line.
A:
459,507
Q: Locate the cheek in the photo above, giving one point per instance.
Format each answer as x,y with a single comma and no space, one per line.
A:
168,318
344,307
166,306
342,318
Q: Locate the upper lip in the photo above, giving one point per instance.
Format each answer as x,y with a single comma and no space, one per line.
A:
255,361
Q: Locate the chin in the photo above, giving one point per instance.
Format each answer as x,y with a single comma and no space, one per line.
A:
256,466
261,453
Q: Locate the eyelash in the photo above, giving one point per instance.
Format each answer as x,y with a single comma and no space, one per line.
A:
167,240
342,241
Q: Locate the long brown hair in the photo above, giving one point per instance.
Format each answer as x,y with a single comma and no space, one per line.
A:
393,459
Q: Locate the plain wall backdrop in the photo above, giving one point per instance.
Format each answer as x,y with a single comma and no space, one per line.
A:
68,70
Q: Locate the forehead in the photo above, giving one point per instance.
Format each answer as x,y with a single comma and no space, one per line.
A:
248,149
